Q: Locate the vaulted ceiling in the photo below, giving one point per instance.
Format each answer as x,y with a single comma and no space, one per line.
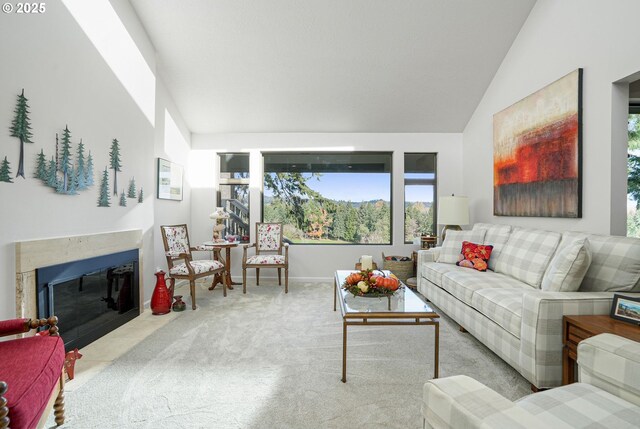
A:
329,65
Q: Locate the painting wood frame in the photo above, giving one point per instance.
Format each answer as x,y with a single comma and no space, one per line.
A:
626,309
169,180
537,153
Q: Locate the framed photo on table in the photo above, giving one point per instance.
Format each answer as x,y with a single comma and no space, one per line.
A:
626,309
169,180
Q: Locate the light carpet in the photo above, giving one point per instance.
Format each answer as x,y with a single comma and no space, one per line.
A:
270,360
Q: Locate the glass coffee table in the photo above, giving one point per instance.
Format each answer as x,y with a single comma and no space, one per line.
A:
403,308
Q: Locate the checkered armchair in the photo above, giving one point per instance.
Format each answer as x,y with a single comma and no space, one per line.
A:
269,247
607,396
181,263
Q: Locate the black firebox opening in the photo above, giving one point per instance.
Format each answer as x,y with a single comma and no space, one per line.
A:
90,297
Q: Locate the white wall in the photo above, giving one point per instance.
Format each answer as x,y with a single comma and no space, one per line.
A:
557,38
315,261
172,142
69,83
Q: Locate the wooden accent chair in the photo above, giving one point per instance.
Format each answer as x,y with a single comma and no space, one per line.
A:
269,247
177,248
31,374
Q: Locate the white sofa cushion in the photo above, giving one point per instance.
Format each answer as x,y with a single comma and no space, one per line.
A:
452,245
581,405
497,236
503,306
527,254
568,267
433,271
463,283
615,264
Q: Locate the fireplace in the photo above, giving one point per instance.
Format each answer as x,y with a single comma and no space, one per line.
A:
91,297
44,254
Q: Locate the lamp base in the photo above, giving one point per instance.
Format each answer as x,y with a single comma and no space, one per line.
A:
217,231
447,227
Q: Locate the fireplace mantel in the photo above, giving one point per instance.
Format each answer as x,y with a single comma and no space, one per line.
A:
34,254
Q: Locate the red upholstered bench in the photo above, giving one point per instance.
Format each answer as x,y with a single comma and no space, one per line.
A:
31,375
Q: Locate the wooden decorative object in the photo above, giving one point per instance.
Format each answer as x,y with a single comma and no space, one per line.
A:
4,410
70,362
58,406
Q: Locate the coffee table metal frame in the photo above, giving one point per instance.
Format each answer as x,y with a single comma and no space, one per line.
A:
381,319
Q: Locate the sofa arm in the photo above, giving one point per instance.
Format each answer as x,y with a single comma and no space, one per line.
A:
428,255
541,330
462,402
611,363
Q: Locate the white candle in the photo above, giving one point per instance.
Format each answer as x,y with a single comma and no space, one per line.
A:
367,262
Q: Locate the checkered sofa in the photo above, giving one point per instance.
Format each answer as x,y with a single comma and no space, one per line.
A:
505,307
607,396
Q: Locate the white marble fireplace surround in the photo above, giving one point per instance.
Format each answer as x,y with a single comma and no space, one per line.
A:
34,254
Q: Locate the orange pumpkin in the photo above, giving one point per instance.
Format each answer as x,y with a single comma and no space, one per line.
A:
354,278
388,283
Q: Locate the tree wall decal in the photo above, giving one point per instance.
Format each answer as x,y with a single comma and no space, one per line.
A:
123,199
81,169
89,174
103,199
41,166
140,196
65,159
21,128
5,171
114,159
131,193
52,173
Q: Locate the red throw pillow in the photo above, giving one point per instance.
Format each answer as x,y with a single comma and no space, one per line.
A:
474,255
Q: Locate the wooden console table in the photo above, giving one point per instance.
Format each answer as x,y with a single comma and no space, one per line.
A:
578,328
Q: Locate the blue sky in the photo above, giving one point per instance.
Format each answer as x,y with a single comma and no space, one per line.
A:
358,187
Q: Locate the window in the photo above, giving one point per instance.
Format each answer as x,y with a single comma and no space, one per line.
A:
329,198
419,195
233,193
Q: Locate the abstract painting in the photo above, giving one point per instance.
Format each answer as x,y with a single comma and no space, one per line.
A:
537,153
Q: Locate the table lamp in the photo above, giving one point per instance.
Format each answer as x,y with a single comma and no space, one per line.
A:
452,212
220,216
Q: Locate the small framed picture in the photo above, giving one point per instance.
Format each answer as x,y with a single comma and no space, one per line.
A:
169,180
626,309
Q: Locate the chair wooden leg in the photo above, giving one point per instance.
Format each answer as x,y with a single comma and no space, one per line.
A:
58,405
257,276
279,276
4,410
286,280
192,285
225,283
244,279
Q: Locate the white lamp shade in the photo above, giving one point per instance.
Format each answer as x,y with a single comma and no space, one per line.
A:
453,210
219,213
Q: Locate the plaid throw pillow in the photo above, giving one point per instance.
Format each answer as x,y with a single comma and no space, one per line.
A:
474,255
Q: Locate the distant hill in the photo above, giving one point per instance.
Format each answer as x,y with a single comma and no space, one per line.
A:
356,204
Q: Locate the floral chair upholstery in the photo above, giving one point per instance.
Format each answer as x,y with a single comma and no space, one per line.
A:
180,261
268,247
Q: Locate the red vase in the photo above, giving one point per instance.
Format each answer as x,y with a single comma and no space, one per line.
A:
161,298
